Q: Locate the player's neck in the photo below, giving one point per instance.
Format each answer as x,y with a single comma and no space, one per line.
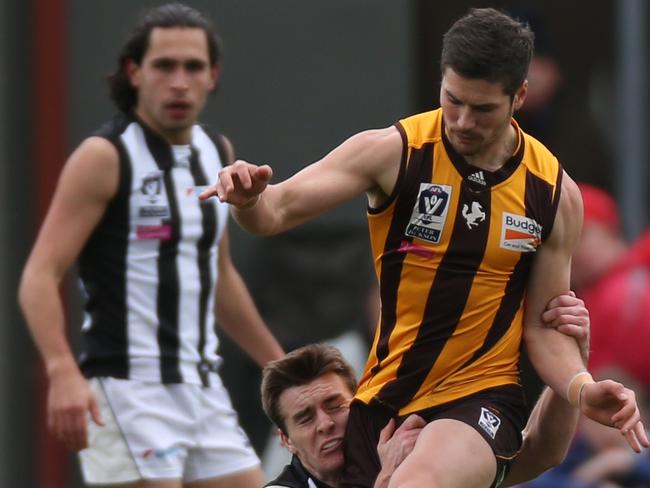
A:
494,156
175,137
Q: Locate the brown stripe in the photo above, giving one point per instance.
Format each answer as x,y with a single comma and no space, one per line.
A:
445,303
537,201
548,227
418,171
514,293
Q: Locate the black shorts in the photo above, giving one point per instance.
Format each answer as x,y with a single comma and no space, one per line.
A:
498,414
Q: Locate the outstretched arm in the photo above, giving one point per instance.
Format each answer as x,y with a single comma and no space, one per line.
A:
367,162
88,181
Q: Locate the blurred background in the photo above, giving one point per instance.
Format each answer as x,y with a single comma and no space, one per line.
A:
298,78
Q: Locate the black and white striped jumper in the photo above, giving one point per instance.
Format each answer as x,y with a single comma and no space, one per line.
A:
149,269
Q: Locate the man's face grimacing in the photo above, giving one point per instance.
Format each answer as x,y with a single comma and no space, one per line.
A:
315,416
477,112
173,81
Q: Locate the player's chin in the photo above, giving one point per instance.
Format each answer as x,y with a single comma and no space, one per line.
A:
467,149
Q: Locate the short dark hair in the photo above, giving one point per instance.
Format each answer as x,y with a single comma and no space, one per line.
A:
166,16
489,45
297,368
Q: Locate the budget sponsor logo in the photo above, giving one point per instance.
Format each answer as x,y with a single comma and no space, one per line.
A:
519,233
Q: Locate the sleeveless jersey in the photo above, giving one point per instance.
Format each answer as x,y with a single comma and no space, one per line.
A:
149,269
452,247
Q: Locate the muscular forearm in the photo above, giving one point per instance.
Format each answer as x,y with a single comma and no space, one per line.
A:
264,215
255,216
275,210
547,438
555,356
41,305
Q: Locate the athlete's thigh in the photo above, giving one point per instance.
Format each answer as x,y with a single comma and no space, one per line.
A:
222,450
447,454
252,478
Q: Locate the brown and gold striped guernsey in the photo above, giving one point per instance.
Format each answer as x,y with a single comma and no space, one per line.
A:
452,249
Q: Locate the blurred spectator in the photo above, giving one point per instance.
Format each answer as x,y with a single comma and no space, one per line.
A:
559,108
537,115
613,279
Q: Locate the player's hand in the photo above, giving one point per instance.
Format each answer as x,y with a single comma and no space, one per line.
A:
394,445
69,402
610,403
568,315
240,184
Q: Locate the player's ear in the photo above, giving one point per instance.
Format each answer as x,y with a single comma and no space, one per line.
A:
215,74
132,70
286,442
520,96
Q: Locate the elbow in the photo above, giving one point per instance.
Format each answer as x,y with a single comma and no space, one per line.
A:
534,339
556,458
530,334
23,291
34,283
550,458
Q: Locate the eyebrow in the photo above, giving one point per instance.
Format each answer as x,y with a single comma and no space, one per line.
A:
308,409
174,60
474,106
301,413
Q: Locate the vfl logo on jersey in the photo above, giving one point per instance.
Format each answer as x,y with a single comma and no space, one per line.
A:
430,212
489,422
520,233
153,200
475,216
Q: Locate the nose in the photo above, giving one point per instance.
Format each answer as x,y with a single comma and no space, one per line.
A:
324,421
180,79
466,120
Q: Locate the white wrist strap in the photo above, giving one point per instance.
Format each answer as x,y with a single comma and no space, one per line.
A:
577,383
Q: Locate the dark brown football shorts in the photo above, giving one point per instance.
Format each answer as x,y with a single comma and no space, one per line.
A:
498,414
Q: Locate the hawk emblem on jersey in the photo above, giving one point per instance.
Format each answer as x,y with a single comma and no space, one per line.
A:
475,216
489,422
430,212
519,233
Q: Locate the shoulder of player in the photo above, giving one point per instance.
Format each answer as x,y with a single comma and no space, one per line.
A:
568,221
378,146
570,197
94,167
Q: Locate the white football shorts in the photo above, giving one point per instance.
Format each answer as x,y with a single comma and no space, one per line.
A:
156,431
